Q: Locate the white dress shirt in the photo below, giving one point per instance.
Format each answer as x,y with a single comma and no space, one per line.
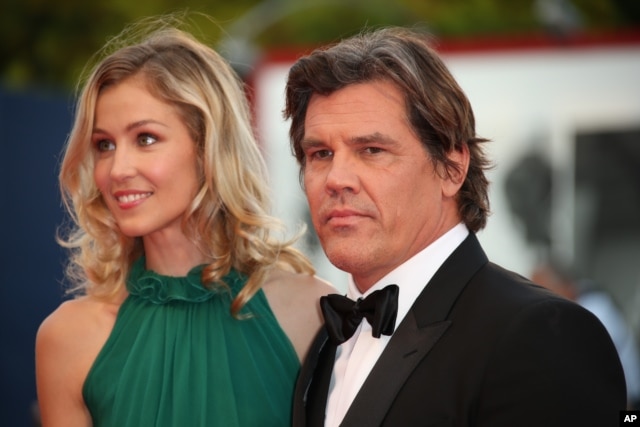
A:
355,358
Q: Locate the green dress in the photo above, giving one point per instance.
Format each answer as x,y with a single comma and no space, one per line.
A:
177,357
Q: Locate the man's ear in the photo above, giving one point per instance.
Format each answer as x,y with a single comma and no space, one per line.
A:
456,175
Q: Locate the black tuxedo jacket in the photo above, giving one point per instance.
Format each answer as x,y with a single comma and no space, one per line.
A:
481,346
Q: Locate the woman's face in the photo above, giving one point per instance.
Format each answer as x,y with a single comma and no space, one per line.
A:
145,164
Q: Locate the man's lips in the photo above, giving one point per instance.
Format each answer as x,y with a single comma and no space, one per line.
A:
344,216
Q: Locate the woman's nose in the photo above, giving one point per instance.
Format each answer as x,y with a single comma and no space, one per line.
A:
123,163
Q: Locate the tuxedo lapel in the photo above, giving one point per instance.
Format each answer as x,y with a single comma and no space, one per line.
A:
405,350
425,323
319,387
310,399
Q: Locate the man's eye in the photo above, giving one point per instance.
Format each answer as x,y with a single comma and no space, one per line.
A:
105,145
373,150
320,154
147,139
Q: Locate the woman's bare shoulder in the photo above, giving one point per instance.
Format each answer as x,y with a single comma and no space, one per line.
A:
298,285
66,319
77,317
76,331
294,299
67,344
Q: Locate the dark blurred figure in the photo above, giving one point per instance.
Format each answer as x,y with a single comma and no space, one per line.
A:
562,280
35,415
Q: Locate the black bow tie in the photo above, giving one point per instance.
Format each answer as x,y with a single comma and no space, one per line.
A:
342,316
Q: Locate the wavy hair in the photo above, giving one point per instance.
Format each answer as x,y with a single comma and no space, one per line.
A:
228,219
437,108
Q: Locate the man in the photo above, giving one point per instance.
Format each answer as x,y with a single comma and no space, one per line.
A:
394,175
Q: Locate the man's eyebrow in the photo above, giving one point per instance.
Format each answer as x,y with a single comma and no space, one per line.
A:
376,137
305,144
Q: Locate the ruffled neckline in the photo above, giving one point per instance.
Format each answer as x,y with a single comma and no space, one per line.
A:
159,289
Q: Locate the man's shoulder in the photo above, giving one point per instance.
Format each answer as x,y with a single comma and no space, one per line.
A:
505,291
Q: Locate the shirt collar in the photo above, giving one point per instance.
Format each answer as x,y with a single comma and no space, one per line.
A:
413,275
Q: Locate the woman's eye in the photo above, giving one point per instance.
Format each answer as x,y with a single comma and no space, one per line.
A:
147,139
105,145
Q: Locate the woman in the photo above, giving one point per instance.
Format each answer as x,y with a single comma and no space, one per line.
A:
190,310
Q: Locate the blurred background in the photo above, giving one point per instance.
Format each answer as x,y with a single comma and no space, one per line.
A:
555,84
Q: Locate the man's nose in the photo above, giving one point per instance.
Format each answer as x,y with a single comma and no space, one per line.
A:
343,174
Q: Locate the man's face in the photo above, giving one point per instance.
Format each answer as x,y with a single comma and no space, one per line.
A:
375,197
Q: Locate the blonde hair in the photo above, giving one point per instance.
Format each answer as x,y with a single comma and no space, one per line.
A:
228,218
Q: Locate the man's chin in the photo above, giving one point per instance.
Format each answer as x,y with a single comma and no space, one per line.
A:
350,258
